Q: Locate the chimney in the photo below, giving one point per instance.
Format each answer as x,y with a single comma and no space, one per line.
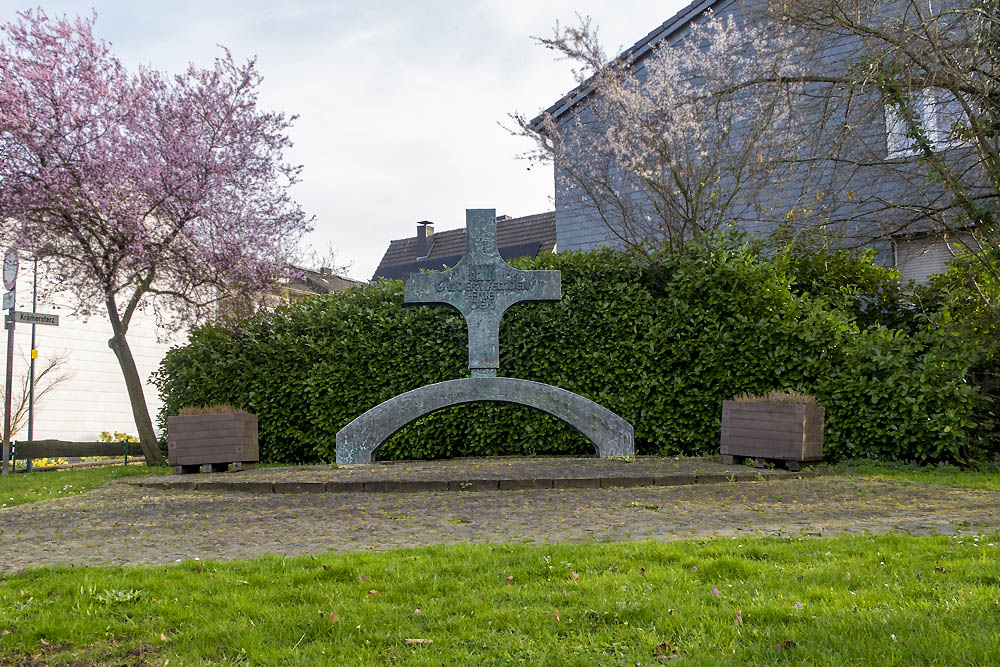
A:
425,230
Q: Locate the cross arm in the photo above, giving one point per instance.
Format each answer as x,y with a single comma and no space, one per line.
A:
423,288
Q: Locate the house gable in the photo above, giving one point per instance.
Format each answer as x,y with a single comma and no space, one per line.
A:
854,195
631,56
527,236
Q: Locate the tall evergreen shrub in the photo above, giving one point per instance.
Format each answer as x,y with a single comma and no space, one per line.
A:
661,341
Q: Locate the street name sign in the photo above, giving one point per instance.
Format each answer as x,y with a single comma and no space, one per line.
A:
20,317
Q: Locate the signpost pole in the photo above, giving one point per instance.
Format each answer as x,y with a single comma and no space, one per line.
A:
31,371
34,354
9,282
9,324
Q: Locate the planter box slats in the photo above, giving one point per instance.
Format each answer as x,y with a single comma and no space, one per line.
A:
783,417
760,431
221,440
212,440
763,428
786,432
205,447
219,443
748,409
210,433
216,456
755,448
210,429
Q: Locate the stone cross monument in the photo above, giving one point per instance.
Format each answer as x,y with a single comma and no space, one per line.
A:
482,286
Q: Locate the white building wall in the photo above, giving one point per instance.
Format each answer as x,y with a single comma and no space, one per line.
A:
93,398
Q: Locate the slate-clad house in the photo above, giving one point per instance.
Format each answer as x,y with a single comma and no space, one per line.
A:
852,193
527,236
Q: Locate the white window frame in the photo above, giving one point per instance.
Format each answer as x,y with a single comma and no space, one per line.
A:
938,110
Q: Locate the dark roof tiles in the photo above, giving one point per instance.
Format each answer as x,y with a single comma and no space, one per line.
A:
528,235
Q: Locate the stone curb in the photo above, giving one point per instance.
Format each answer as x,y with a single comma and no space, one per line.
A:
507,484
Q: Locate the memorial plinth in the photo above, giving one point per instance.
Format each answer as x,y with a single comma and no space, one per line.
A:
481,287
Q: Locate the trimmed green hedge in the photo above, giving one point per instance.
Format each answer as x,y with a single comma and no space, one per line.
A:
661,341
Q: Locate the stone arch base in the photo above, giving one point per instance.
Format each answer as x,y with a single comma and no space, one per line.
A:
610,434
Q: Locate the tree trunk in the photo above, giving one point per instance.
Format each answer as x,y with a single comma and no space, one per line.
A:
133,383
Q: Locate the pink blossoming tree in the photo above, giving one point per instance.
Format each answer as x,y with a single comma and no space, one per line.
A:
139,189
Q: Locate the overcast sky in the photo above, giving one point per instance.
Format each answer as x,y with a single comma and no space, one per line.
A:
399,101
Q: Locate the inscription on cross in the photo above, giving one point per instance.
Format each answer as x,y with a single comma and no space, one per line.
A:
482,286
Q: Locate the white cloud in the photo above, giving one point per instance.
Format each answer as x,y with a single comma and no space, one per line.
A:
399,101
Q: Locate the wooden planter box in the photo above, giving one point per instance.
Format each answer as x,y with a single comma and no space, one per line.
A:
212,441
792,433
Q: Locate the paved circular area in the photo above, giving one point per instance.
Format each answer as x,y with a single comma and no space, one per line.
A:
120,524
475,474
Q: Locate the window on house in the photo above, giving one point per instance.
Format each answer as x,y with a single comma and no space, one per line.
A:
937,110
918,258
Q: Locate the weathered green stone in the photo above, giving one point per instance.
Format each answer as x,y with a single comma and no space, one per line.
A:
610,434
482,286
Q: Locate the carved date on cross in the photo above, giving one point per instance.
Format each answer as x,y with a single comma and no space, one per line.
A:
482,286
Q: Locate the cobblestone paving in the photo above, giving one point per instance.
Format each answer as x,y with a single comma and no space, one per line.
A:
120,524
478,474
494,467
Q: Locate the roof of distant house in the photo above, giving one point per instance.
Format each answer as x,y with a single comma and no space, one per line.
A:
323,281
516,237
629,56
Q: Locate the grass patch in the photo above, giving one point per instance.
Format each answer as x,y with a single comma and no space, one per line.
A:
985,476
20,488
846,600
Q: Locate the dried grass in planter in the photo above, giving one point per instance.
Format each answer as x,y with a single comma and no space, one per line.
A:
208,410
783,397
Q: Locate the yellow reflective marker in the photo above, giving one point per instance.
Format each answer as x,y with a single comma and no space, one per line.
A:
34,354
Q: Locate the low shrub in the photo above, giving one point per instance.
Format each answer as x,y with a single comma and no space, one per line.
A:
117,436
662,341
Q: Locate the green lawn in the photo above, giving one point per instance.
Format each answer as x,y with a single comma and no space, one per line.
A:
984,476
847,600
861,600
19,488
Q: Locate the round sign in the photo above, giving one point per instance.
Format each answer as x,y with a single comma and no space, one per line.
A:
10,269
